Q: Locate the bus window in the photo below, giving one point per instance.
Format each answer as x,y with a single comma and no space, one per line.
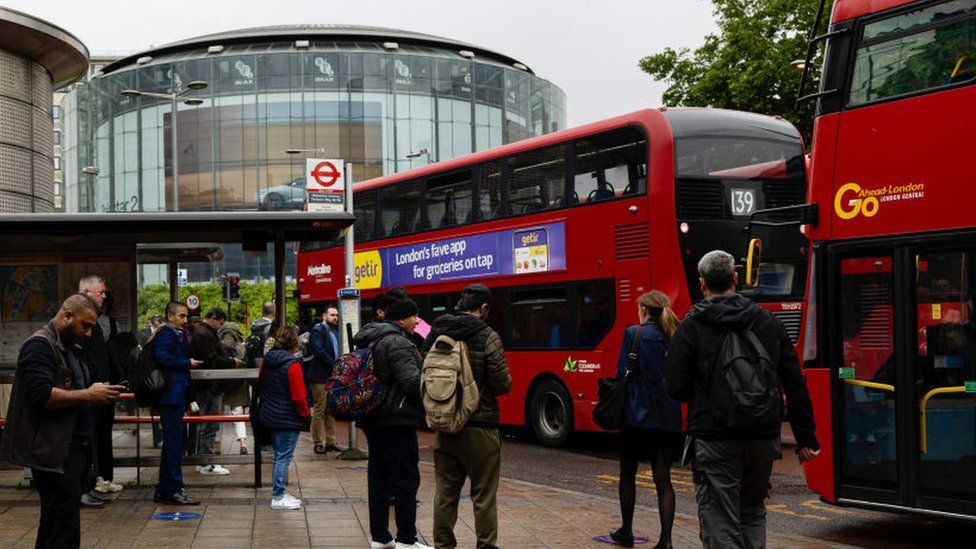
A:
596,313
738,157
541,320
538,180
492,203
915,51
449,200
364,206
609,165
401,208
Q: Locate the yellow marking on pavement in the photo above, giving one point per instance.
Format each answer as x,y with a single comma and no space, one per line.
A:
649,476
818,505
781,509
610,479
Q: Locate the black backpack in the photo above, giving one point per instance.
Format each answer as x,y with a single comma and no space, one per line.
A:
149,383
744,388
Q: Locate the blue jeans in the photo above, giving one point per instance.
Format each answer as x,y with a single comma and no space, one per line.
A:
284,443
171,458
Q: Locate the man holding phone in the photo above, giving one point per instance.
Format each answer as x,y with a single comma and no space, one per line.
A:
50,421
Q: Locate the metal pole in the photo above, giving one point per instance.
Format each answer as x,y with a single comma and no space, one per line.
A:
279,271
174,281
175,160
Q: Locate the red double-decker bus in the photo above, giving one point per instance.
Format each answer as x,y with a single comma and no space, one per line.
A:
569,229
890,349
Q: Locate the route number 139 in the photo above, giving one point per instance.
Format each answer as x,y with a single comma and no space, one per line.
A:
743,201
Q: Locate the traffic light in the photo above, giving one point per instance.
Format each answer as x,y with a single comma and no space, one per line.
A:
232,291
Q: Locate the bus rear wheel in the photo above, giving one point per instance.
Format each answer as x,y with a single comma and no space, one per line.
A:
551,413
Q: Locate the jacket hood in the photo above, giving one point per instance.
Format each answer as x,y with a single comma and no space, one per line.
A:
732,311
458,326
372,331
278,358
231,329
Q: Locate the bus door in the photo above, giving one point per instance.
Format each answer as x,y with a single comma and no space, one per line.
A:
904,363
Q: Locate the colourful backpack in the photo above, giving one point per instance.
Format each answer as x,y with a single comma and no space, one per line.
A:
353,390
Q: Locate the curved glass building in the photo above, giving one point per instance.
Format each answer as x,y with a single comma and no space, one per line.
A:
368,95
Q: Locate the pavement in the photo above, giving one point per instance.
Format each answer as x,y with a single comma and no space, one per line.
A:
234,514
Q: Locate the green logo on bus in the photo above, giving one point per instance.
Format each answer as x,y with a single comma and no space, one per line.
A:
570,365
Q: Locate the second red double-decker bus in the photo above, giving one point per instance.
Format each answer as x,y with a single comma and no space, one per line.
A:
890,348
568,230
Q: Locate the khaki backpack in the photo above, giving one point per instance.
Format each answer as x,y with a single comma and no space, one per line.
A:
447,386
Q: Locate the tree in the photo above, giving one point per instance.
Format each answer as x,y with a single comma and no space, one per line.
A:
152,299
746,66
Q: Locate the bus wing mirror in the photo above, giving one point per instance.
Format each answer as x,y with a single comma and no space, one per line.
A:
753,258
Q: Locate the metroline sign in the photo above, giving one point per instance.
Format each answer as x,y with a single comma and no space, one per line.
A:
325,184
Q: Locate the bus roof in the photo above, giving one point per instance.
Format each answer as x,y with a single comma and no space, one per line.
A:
683,122
845,10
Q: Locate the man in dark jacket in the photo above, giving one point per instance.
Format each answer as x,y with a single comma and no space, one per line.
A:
732,466
49,424
95,349
205,346
170,354
391,430
476,450
323,341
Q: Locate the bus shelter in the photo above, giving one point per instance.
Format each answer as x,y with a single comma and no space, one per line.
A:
42,257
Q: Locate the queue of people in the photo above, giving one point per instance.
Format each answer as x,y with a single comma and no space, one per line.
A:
64,393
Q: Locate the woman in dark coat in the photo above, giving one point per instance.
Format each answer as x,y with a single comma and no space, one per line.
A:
652,420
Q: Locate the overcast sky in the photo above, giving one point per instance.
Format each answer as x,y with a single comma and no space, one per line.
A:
588,48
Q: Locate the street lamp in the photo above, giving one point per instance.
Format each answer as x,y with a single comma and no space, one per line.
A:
422,152
175,97
799,64
300,151
93,172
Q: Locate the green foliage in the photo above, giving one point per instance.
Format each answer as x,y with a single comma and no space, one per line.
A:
152,299
746,66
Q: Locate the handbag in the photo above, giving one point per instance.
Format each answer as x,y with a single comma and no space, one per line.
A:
262,435
612,392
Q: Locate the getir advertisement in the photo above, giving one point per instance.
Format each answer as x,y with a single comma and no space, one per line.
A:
518,251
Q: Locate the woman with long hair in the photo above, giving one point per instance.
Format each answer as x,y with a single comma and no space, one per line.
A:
652,420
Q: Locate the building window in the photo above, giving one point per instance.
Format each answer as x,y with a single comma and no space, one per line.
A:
57,162
56,137
56,111
57,189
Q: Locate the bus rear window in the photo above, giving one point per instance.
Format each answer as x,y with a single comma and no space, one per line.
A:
738,157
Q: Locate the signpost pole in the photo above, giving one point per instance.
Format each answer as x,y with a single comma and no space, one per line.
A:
349,309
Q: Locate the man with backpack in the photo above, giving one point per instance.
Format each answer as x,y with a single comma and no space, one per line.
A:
260,332
391,429
205,346
729,360
475,450
323,342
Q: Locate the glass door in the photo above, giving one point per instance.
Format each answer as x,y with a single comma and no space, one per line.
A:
944,370
866,368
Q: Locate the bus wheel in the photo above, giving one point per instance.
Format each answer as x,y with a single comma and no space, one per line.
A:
551,413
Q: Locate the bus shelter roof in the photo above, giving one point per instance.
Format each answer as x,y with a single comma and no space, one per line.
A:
113,231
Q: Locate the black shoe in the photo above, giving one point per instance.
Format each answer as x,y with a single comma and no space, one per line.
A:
88,501
335,448
625,539
320,449
179,498
243,450
105,498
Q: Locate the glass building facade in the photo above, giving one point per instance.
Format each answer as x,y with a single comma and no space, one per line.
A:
369,96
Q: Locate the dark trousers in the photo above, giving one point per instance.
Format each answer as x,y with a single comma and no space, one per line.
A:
104,456
474,452
393,471
171,458
731,486
60,524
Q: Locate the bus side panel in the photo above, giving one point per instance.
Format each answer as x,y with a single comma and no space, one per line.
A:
820,471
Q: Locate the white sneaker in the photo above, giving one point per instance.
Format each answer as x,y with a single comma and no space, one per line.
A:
377,545
292,498
212,470
415,545
286,502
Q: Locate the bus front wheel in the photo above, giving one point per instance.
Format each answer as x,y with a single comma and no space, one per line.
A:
551,413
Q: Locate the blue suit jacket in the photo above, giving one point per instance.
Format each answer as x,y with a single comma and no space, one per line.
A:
171,357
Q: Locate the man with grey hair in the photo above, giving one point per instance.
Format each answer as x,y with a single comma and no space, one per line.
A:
95,350
727,338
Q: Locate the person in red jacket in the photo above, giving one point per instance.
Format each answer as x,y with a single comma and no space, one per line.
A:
284,409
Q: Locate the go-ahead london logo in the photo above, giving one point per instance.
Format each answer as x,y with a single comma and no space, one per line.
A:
852,200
